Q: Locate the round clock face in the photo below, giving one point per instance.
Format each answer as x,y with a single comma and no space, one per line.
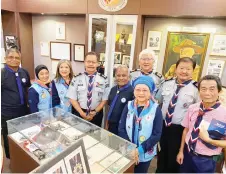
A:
112,5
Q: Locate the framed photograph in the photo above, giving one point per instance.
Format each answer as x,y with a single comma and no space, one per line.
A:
102,57
183,44
60,50
219,45
125,60
8,40
75,162
79,52
154,40
215,67
60,31
118,58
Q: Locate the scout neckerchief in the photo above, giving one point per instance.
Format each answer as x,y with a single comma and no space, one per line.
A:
138,118
119,90
62,81
173,102
143,73
44,86
195,131
89,93
18,82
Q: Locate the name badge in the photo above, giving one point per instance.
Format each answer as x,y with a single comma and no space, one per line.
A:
123,100
23,80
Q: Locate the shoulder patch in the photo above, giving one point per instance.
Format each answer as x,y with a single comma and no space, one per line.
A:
102,75
134,70
158,74
78,75
195,83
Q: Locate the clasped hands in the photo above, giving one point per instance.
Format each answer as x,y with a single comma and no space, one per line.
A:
90,116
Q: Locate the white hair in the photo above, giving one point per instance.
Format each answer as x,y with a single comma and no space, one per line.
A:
148,52
122,67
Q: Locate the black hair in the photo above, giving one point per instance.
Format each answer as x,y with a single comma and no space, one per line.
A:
211,77
92,53
186,59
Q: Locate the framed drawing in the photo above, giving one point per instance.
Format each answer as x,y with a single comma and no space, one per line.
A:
219,45
60,31
79,52
154,40
183,44
118,58
60,50
215,67
125,60
102,57
57,168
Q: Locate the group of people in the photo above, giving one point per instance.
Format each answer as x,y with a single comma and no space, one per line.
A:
142,107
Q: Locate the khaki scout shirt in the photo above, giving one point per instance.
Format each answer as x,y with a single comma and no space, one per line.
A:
79,87
187,95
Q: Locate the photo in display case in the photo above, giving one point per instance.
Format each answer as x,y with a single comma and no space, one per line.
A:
117,58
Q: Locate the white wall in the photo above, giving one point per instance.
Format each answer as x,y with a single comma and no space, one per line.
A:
161,24
44,31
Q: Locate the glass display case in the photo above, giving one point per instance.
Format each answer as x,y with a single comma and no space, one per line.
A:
45,135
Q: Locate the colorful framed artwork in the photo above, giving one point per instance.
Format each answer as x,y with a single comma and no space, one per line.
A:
60,50
184,44
154,40
79,52
219,45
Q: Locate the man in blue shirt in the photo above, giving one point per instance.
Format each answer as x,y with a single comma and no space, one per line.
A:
15,82
118,98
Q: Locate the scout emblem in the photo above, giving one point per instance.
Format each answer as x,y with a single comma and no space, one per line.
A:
142,138
23,80
43,95
123,100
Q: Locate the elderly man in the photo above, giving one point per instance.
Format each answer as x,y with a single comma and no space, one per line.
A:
118,98
176,95
198,149
146,62
88,91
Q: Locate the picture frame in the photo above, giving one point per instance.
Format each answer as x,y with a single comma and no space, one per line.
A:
60,31
79,52
63,160
102,57
126,60
215,67
185,44
117,58
60,50
154,40
9,38
219,45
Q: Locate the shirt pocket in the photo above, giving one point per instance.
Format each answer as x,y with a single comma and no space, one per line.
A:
166,94
99,93
81,91
187,99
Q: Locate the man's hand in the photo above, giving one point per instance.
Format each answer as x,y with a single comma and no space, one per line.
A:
180,157
203,134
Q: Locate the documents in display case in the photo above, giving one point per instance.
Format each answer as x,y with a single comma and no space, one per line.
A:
46,136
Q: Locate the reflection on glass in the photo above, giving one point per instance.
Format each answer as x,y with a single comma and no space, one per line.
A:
123,43
99,33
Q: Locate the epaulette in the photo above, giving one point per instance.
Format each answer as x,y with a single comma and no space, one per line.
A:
195,83
78,75
102,75
134,70
172,78
158,74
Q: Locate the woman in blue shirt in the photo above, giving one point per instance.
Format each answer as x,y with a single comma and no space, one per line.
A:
39,94
60,85
141,123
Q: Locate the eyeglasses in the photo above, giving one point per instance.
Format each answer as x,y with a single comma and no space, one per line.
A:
141,90
90,62
12,57
147,59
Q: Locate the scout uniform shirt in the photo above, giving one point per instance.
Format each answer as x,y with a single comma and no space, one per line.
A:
79,87
158,78
186,96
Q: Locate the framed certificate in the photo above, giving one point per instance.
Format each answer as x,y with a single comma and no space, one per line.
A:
60,50
79,52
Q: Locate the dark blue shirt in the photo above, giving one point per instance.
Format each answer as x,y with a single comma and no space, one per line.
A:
10,97
55,95
124,97
156,132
